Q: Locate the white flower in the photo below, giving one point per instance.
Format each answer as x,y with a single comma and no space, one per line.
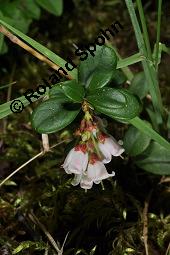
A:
76,162
110,147
96,172
85,182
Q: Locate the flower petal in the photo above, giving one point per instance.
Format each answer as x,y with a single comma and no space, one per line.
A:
110,147
116,148
97,172
68,158
106,153
86,183
75,162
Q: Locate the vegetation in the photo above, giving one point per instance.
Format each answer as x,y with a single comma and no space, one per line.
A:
117,90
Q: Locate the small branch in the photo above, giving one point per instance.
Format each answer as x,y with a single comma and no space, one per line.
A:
168,250
36,54
19,168
45,143
145,222
9,95
48,235
26,163
164,179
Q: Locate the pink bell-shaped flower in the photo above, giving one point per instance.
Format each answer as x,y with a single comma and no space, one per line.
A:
83,180
109,147
76,160
97,172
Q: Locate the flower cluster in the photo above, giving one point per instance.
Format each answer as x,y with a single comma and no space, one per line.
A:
95,148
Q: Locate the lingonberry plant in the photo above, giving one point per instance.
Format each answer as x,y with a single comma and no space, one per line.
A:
92,91
95,148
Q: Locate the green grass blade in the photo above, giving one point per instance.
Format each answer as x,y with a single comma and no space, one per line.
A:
144,27
148,65
39,47
158,32
7,85
130,60
5,108
143,127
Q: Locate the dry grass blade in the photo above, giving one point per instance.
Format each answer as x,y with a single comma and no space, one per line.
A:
36,54
145,222
26,163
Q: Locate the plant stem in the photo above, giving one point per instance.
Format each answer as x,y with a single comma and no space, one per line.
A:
125,62
158,32
148,65
144,28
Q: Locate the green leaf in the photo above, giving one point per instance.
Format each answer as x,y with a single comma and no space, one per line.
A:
29,8
135,142
27,244
43,50
57,92
139,85
119,77
52,115
73,90
118,104
155,159
68,89
13,15
143,127
149,109
96,72
20,22
52,6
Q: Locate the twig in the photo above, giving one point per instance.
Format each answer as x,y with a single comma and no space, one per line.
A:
9,95
145,223
168,250
49,236
46,250
64,242
19,168
45,142
23,45
26,163
164,179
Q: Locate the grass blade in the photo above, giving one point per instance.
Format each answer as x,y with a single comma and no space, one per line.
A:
143,127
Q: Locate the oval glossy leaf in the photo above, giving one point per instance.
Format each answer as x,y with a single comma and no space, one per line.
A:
97,71
118,104
52,115
135,142
155,159
68,89
119,77
57,92
139,85
73,90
